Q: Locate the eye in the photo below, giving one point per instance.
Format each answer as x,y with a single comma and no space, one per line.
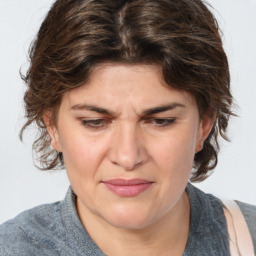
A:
160,122
95,123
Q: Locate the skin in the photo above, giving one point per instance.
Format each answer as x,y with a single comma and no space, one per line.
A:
106,129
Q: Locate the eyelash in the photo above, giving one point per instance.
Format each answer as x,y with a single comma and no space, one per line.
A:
95,123
101,123
160,122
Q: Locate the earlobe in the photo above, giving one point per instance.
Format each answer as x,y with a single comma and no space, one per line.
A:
52,131
205,127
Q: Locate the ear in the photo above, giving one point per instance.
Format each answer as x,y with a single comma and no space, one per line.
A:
204,130
52,131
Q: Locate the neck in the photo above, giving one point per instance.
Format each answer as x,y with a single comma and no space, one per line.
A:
167,236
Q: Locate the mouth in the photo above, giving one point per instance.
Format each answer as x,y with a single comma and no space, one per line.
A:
127,188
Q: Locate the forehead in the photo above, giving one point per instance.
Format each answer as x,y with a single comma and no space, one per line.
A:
117,84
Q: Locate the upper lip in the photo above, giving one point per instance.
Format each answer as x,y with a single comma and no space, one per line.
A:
126,182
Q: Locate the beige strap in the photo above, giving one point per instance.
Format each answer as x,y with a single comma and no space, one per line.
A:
240,239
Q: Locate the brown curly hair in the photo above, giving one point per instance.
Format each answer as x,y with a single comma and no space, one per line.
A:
181,36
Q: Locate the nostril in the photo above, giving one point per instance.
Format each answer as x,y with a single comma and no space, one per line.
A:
128,160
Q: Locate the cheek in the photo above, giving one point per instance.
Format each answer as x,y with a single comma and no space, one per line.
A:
82,158
81,153
176,153
174,159
76,157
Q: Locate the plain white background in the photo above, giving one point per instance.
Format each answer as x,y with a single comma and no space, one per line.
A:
22,186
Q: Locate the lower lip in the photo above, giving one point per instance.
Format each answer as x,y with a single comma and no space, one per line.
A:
128,190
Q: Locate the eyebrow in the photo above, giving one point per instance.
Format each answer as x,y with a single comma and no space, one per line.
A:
92,108
162,108
145,112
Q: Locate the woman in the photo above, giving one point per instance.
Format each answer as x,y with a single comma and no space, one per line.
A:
130,97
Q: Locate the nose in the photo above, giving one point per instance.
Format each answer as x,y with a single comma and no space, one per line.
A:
127,149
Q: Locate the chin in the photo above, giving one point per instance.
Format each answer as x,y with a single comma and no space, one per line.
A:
128,219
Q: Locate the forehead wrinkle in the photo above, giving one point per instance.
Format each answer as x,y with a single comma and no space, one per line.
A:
128,100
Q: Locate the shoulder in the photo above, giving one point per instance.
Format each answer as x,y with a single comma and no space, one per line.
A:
249,212
208,230
30,230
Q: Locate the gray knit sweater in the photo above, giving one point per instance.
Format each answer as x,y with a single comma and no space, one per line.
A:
55,229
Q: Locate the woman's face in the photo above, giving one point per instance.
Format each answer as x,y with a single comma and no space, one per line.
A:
128,142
